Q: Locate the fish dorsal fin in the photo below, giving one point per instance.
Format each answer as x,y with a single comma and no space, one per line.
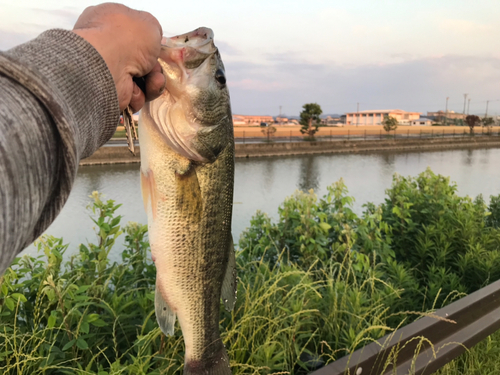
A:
229,286
164,314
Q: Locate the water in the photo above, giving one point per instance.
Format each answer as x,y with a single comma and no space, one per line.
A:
263,183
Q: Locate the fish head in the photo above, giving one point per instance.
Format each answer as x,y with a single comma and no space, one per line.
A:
193,114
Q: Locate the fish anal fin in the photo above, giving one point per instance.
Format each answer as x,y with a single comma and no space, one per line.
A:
165,316
148,188
229,285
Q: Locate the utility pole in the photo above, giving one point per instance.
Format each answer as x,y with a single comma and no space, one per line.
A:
465,100
446,111
468,106
486,114
357,116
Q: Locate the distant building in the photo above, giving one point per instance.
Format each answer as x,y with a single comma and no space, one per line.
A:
422,121
441,115
330,120
376,117
242,120
281,120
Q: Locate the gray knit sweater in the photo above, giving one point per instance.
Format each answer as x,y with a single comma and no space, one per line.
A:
58,104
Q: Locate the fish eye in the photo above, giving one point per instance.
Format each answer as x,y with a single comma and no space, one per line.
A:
220,77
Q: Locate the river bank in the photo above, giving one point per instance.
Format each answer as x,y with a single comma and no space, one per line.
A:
121,154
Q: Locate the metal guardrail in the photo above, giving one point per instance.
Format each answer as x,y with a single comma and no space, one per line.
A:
457,327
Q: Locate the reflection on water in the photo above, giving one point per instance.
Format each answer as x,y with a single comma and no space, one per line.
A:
309,174
263,183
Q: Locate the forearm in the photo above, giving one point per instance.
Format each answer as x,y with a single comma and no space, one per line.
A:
58,104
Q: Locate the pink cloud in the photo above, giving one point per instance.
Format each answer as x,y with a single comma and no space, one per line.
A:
258,85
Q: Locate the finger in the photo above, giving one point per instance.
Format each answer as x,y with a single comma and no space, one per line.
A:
138,99
155,83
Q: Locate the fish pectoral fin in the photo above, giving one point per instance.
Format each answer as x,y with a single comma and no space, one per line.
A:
230,283
148,188
164,314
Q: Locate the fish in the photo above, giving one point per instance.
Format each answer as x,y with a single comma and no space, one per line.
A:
187,178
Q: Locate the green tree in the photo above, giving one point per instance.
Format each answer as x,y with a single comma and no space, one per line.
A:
309,117
472,121
488,121
269,131
390,123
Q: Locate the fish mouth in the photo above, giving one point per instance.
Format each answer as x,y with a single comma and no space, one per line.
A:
188,51
187,61
195,39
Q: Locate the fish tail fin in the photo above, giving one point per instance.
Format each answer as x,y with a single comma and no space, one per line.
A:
218,365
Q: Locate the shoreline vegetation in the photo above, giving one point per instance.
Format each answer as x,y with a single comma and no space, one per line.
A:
313,286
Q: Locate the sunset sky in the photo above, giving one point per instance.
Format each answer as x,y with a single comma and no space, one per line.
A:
383,54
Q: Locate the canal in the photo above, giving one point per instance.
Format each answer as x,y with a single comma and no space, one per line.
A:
263,184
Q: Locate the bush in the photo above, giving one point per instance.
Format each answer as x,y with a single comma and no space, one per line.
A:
315,285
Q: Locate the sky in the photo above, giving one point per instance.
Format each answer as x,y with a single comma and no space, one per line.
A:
383,54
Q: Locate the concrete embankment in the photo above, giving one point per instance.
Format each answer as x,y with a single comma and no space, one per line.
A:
121,154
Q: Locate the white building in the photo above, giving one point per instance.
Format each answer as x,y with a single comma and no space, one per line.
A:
422,121
377,116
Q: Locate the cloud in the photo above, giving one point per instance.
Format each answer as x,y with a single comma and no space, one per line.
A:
227,49
258,85
9,39
465,27
63,18
415,85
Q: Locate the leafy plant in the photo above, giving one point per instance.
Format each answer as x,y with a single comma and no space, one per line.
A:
390,123
472,121
309,119
317,284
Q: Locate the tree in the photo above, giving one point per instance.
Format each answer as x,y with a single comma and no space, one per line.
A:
269,131
390,123
488,121
309,117
472,120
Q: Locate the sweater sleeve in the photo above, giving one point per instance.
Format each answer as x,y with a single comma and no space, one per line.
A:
58,104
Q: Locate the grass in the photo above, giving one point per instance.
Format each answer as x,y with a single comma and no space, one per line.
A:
316,285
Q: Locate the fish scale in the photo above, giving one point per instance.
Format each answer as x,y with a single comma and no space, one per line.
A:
187,180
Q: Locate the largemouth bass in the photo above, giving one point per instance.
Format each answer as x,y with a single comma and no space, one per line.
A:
187,177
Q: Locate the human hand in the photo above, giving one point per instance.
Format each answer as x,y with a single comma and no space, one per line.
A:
130,42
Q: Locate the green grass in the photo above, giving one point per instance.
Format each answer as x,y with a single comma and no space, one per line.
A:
119,134
315,285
